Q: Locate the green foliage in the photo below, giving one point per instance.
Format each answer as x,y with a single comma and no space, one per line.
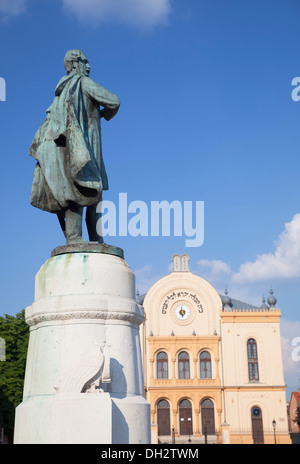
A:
15,332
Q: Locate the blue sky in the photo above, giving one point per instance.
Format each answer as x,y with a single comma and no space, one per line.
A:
206,115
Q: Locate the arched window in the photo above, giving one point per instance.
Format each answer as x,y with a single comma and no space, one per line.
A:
184,365
205,365
162,365
252,360
163,417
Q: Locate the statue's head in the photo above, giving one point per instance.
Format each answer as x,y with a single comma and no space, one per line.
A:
76,62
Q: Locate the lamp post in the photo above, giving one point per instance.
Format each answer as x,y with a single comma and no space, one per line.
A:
274,428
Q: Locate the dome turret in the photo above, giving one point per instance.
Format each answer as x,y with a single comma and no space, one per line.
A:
272,300
226,301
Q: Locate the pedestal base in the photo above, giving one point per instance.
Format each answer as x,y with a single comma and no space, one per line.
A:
82,419
65,419
84,376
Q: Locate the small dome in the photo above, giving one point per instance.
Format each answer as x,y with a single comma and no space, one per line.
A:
264,305
272,300
226,300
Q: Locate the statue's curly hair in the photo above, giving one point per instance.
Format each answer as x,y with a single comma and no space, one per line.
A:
70,57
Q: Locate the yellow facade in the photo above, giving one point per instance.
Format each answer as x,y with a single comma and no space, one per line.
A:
175,389
200,380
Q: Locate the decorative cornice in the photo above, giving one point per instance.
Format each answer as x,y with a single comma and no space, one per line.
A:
251,315
254,388
132,318
203,339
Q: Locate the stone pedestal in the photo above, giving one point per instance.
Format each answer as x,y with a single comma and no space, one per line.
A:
84,380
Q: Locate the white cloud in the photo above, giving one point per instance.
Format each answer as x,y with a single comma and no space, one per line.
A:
289,331
143,14
219,275
137,13
283,263
254,278
12,7
215,271
215,266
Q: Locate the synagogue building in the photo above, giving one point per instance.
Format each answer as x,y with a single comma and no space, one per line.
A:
212,365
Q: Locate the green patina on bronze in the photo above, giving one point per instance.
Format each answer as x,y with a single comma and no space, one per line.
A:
70,172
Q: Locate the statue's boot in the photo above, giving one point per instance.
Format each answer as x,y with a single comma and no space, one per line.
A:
92,217
73,225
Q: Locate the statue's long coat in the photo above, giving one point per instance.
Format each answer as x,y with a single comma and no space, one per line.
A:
67,146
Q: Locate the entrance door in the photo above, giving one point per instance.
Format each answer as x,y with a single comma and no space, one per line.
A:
208,417
163,418
185,417
257,426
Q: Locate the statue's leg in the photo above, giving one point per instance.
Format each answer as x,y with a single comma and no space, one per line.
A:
73,224
92,217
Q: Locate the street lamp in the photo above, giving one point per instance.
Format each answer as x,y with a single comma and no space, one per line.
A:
274,428
205,435
173,435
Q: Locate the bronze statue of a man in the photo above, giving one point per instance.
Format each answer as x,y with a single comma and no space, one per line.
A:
70,172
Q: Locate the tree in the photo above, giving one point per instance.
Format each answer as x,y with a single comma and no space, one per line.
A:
14,331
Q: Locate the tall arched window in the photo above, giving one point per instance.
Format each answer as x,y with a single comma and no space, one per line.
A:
205,365
162,365
252,360
184,365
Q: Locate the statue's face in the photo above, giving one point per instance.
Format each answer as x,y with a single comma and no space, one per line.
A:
83,66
